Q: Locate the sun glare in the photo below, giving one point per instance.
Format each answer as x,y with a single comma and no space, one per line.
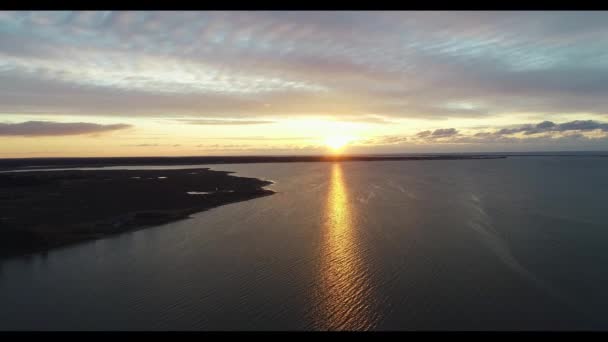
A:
337,143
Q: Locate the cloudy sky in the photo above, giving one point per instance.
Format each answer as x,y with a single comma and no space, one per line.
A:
202,83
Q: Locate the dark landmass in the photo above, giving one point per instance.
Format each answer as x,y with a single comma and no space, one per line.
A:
42,210
33,163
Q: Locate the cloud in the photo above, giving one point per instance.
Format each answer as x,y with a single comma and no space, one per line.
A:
397,65
545,131
446,132
542,134
423,134
545,125
225,122
152,145
49,128
548,126
583,125
438,134
383,140
260,138
372,119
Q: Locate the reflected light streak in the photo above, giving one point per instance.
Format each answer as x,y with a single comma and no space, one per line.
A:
345,301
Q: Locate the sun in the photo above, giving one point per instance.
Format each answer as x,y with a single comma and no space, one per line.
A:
336,143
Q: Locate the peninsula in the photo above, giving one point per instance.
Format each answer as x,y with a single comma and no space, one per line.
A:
40,210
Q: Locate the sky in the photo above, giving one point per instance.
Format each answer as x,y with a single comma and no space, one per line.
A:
289,83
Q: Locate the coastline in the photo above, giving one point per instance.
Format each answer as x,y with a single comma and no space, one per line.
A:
45,163
40,211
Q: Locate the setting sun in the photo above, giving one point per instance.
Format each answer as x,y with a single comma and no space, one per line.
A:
336,143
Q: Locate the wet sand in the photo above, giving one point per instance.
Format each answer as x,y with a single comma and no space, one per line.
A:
43,210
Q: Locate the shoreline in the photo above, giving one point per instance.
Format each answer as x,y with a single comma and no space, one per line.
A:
17,164
42,211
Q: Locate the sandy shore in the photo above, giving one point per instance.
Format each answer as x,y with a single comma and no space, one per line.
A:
43,210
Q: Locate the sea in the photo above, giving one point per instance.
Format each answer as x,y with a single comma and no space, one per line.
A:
519,243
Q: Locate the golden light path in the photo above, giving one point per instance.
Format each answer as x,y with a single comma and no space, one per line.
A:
345,301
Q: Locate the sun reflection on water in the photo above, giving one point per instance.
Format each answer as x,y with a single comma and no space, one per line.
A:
345,301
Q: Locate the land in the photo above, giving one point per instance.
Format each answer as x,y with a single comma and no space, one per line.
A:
34,163
43,210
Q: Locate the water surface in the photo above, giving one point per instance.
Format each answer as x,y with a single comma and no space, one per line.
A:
516,243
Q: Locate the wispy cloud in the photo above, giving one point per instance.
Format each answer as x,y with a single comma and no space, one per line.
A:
398,65
49,128
225,122
152,145
259,138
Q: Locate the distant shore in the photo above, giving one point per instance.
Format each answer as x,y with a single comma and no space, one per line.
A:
44,210
37,163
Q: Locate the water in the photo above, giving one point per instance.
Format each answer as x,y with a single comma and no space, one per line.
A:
516,243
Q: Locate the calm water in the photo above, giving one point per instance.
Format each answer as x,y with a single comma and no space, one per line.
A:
517,243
